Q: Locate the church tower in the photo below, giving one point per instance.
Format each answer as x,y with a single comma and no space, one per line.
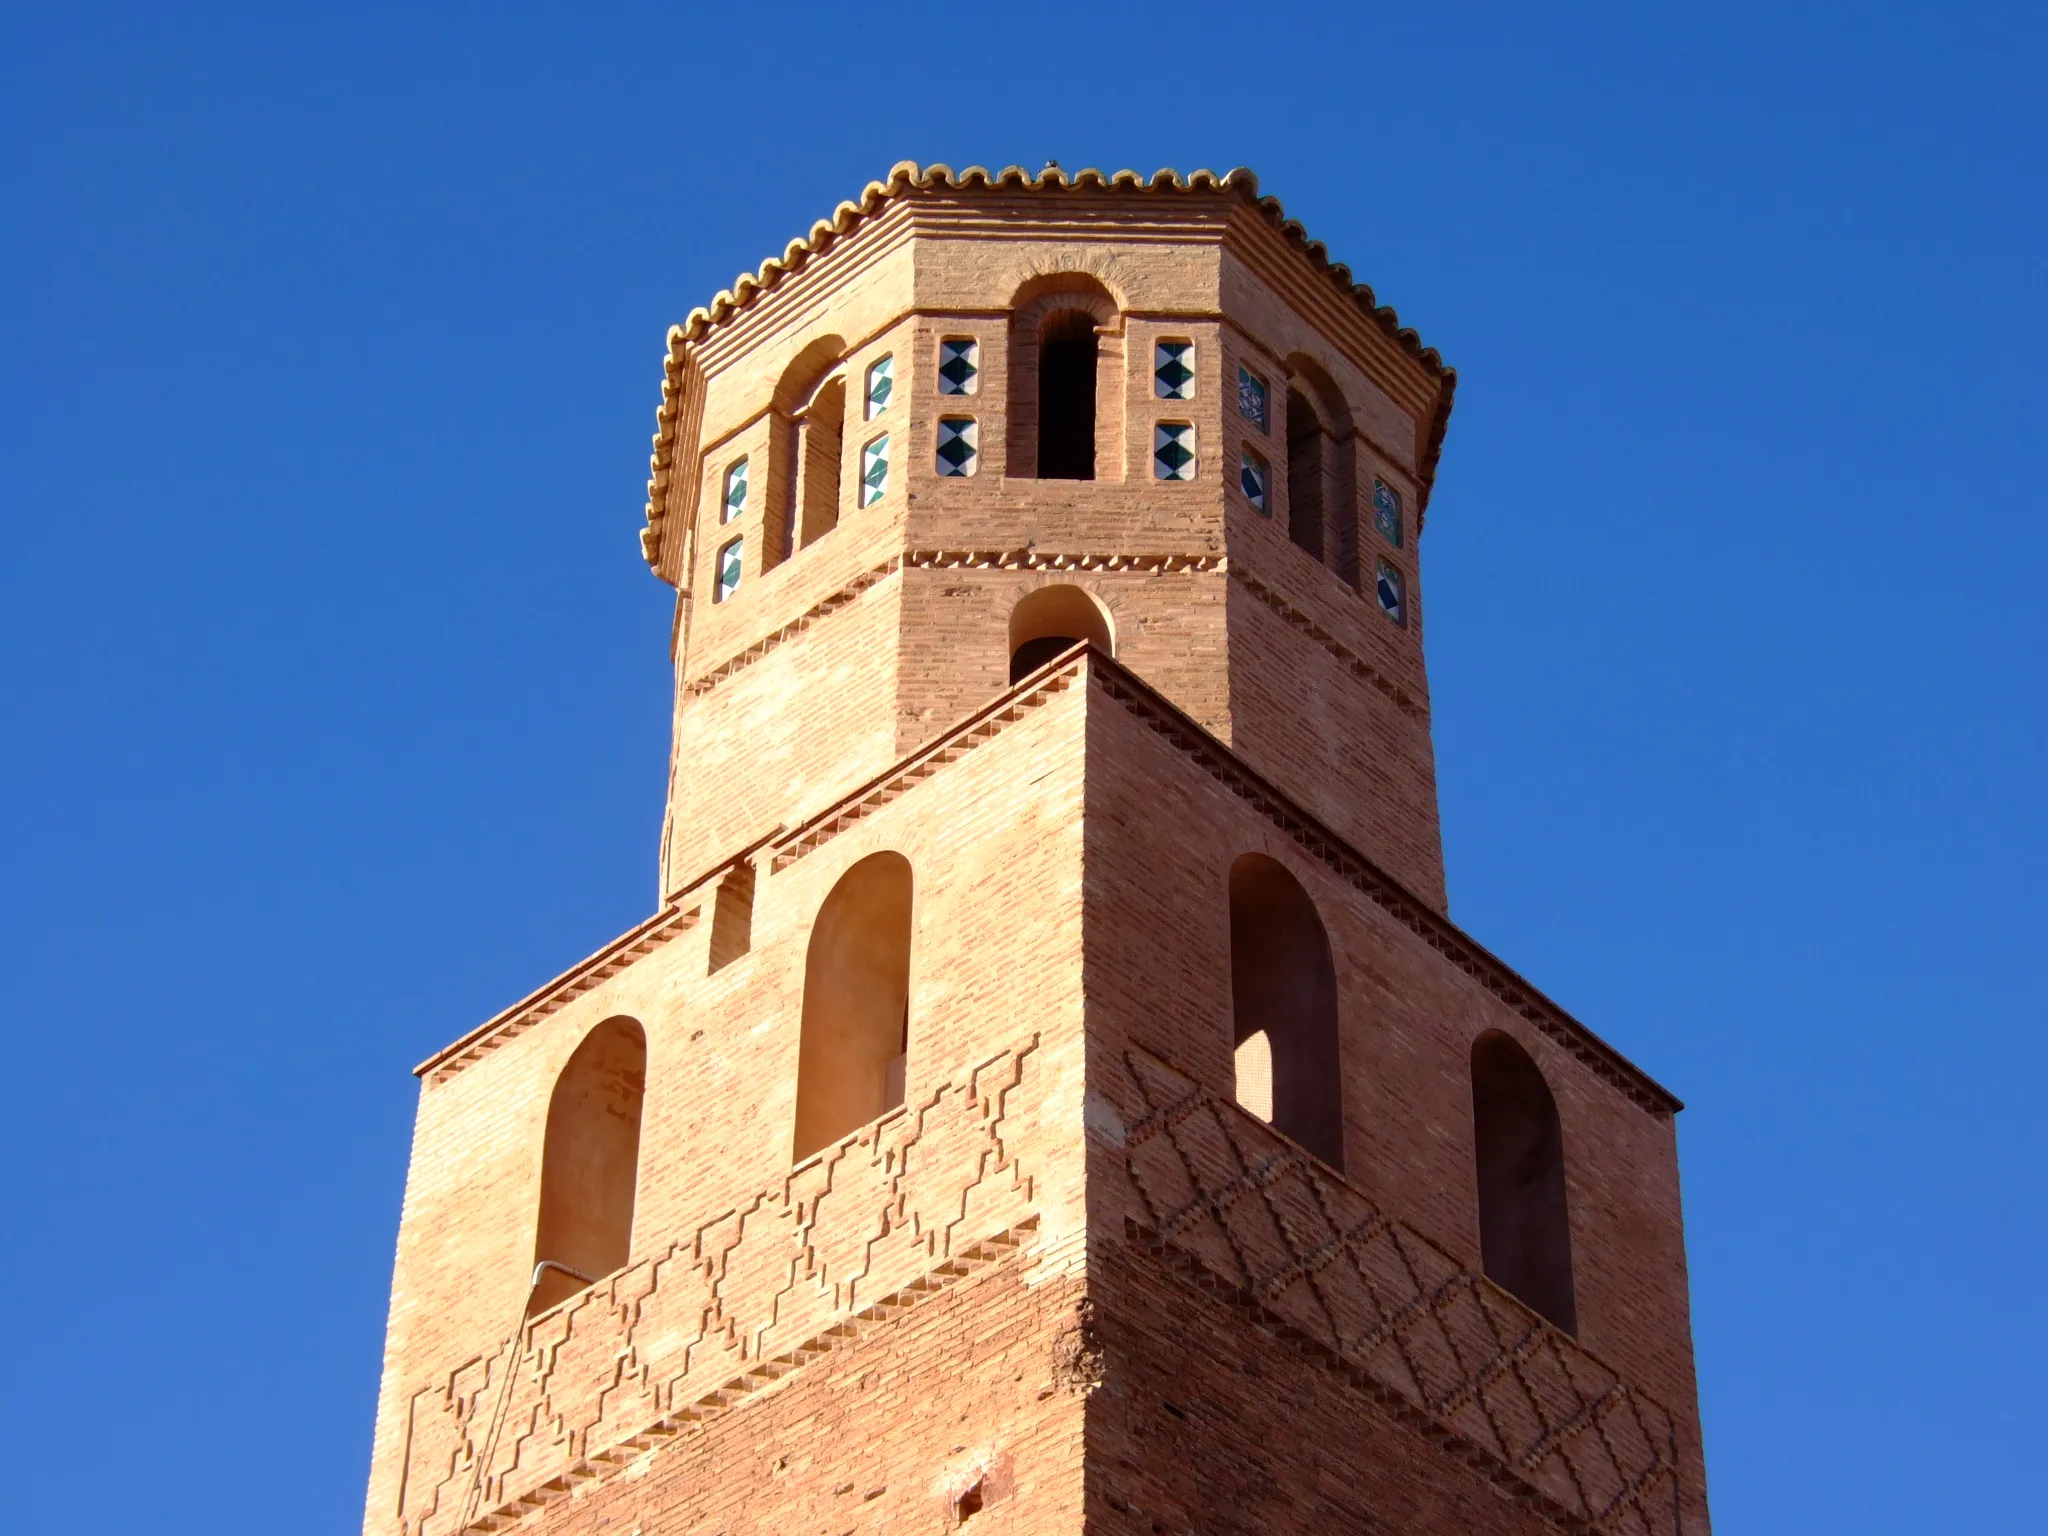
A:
1049,1095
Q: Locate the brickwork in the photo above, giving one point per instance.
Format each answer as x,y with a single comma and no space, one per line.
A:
1066,1283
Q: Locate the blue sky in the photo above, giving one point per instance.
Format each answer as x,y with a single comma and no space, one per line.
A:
337,693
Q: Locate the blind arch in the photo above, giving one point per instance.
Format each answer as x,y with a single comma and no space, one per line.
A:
1525,1236
856,1020
1283,997
590,1163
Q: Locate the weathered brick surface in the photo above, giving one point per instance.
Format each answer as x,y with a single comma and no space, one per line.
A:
1068,1280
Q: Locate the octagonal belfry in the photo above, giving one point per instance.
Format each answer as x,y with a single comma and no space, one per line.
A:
963,390
1048,1096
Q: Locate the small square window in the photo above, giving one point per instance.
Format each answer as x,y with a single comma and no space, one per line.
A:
1173,451
881,382
1386,512
1173,370
735,504
1393,593
1254,475
958,449
959,365
1251,397
874,471
729,564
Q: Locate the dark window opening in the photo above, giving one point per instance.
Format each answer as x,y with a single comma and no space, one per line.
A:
1304,474
1066,397
1033,654
1525,1238
970,1503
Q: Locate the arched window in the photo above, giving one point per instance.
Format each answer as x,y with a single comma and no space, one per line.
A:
807,431
1304,474
590,1162
1283,994
1322,497
821,432
1066,396
856,1024
1066,406
1525,1234
1052,620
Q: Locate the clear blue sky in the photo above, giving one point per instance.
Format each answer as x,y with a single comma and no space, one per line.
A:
336,692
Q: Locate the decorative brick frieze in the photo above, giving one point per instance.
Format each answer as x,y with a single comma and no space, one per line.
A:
852,1238
1306,1255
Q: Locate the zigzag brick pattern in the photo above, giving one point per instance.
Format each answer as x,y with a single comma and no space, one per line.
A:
1312,1257
865,1228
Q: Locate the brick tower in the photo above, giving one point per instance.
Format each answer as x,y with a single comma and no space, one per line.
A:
1049,1095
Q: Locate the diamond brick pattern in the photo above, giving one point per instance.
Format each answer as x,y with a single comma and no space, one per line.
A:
1392,592
874,471
730,560
1173,370
890,1213
1254,475
1251,1214
881,384
1386,512
735,504
1173,451
957,445
959,366
1251,397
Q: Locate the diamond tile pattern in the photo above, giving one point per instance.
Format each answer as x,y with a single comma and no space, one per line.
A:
957,448
729,563
1173,370
959,366
1249,1214
1392,592
1173,451
735,505
874,471
1251,398
1386,512
881,384
1254,474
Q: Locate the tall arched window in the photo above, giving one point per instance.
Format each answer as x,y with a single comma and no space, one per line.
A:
590,1163
1066,396
1305,445
1066,406
856,1024
1052,620
1283,994
1322,450
821,434
807,434
1525,1234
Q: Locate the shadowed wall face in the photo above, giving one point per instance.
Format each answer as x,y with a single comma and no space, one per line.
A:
1283,990
591,1161
1525,1235
850,1065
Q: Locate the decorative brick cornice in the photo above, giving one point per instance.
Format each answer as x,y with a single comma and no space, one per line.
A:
1357,664
633,945
950,560
1382,889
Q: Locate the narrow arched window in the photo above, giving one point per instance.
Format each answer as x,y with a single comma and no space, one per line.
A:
1525,1235
821,432
1305,447
1283,995
590,1162
1052,620
856,1022
1066,396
